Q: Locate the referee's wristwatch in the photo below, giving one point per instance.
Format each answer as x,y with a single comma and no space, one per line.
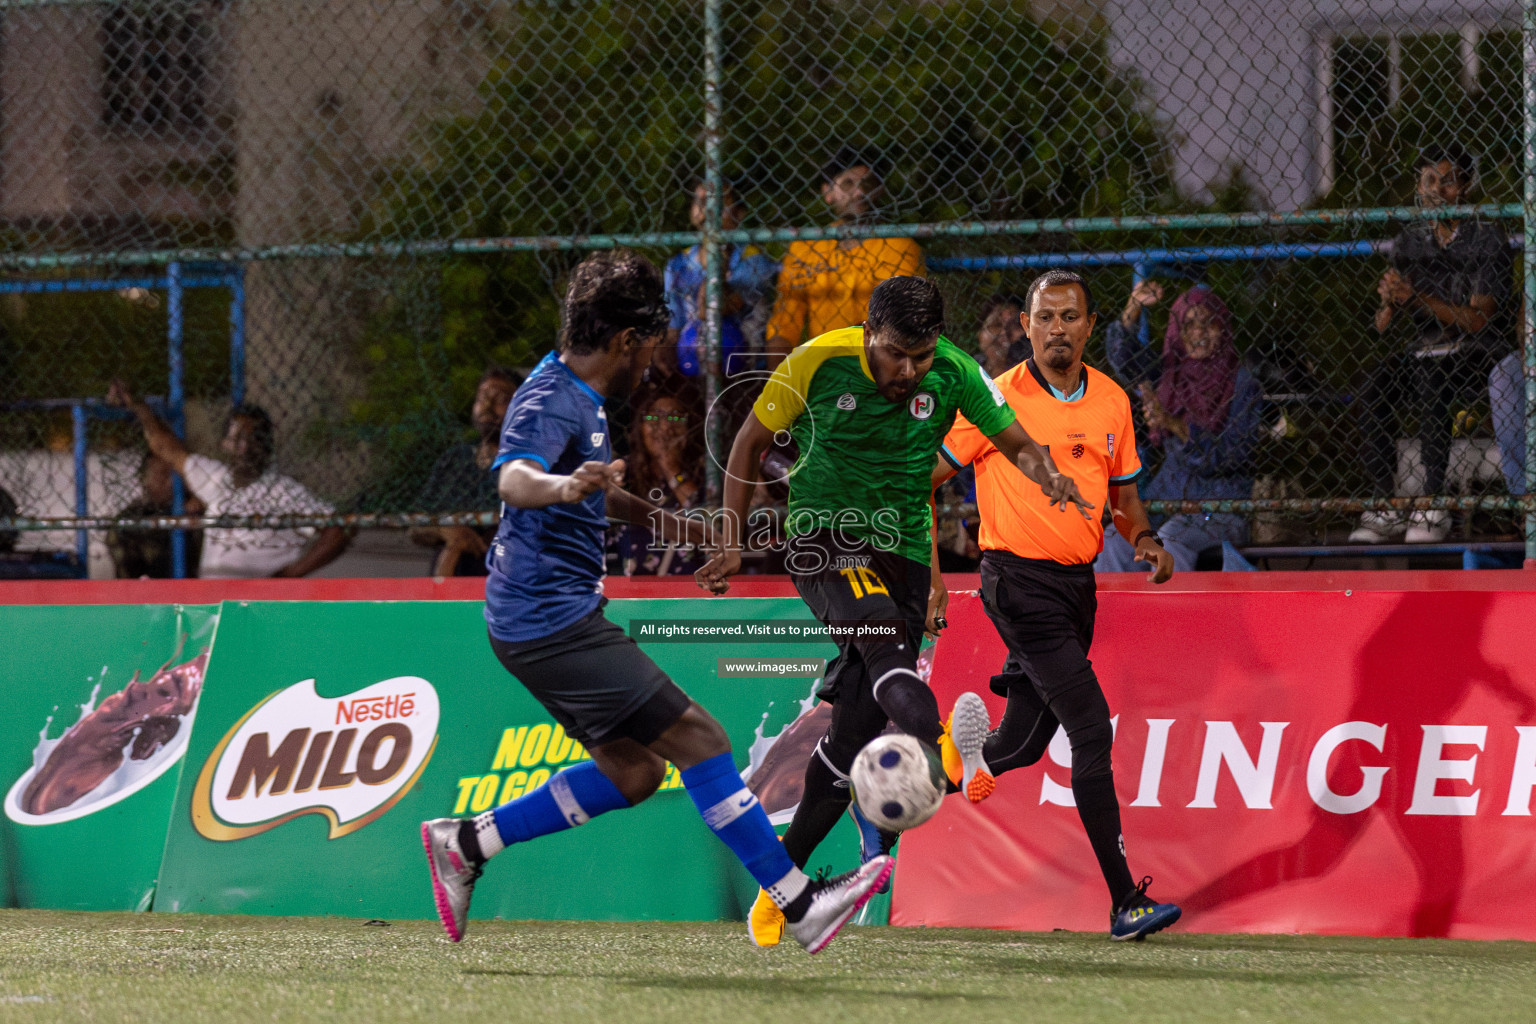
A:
1146,533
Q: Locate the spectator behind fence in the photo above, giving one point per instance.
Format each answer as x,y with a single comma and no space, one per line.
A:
744,299
665,466
826,284
1450,278
1001,338
246,485
140,552
461,481
1202,408
1506,396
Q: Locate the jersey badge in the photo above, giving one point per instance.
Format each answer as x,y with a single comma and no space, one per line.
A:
1111,439
847,402
597,439
921,405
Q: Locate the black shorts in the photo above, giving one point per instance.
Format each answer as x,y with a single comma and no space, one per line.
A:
1039,608
856,582
596,682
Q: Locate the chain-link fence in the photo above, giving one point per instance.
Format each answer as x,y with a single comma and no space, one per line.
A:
343,213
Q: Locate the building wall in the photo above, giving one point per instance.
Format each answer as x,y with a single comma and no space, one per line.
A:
1237,80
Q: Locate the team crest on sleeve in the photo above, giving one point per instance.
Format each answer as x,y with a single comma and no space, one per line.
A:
1111,439
921,406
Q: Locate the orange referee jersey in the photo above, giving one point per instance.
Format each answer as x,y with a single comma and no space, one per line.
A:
1090,438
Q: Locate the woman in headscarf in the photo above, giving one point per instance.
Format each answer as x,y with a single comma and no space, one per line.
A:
1202,409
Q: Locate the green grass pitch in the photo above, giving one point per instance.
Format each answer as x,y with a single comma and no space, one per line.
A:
156,968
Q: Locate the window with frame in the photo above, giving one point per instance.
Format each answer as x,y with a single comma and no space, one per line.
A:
155,61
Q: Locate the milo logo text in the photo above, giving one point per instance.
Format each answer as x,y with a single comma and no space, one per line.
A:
346,759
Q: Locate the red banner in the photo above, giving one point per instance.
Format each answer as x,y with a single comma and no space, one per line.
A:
1344,762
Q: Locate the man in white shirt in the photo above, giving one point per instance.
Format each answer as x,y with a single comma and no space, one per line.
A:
244,485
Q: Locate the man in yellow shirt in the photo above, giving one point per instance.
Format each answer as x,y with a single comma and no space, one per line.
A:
825,285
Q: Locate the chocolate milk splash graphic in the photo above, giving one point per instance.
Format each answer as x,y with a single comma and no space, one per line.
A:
776,764
118,744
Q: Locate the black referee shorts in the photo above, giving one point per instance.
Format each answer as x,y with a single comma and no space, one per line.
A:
596,682
1044,612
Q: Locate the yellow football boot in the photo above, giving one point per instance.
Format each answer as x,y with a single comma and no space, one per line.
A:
765,921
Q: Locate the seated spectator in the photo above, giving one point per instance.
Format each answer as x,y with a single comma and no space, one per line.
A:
1203,411
666,466
824,285
461,481
245,485
1506,393
1450,278
1001,336
141,553
749,274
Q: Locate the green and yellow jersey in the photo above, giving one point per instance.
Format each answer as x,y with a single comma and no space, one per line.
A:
865,461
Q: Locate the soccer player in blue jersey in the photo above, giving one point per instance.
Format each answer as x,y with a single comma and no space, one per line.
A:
543,606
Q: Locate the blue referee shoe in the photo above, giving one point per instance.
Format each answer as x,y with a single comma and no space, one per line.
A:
873,842
1138,916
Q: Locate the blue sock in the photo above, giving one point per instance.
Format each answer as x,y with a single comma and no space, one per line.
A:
570,797
731,810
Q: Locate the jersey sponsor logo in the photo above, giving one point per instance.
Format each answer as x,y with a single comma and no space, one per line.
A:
847,402
922,405
597,439
348,759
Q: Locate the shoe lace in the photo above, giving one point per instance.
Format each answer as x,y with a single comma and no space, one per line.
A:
1137,897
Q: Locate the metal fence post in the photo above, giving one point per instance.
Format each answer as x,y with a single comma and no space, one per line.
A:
77,416
713,370
1528,44
175,411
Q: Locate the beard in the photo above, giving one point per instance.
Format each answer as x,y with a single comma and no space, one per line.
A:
1060,359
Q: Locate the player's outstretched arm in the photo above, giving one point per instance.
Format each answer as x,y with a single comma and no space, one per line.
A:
524,484
1036,464
741,475
1131,522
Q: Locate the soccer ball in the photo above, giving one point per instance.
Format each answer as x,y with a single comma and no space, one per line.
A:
897,783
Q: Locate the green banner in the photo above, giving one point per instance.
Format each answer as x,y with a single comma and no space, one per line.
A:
330,731
102,699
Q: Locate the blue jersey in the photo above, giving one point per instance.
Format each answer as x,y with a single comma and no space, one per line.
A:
546,564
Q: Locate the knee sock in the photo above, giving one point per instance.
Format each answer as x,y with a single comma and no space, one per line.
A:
732,812
1099,810
825,800
570,797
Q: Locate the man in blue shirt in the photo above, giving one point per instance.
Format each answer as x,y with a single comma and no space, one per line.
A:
744,301
543,607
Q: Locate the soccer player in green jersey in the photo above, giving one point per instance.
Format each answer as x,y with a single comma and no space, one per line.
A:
868,408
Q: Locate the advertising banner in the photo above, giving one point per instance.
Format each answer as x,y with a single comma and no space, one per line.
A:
101,705
1344,762
330,731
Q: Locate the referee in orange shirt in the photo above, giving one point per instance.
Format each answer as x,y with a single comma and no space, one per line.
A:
1037,570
